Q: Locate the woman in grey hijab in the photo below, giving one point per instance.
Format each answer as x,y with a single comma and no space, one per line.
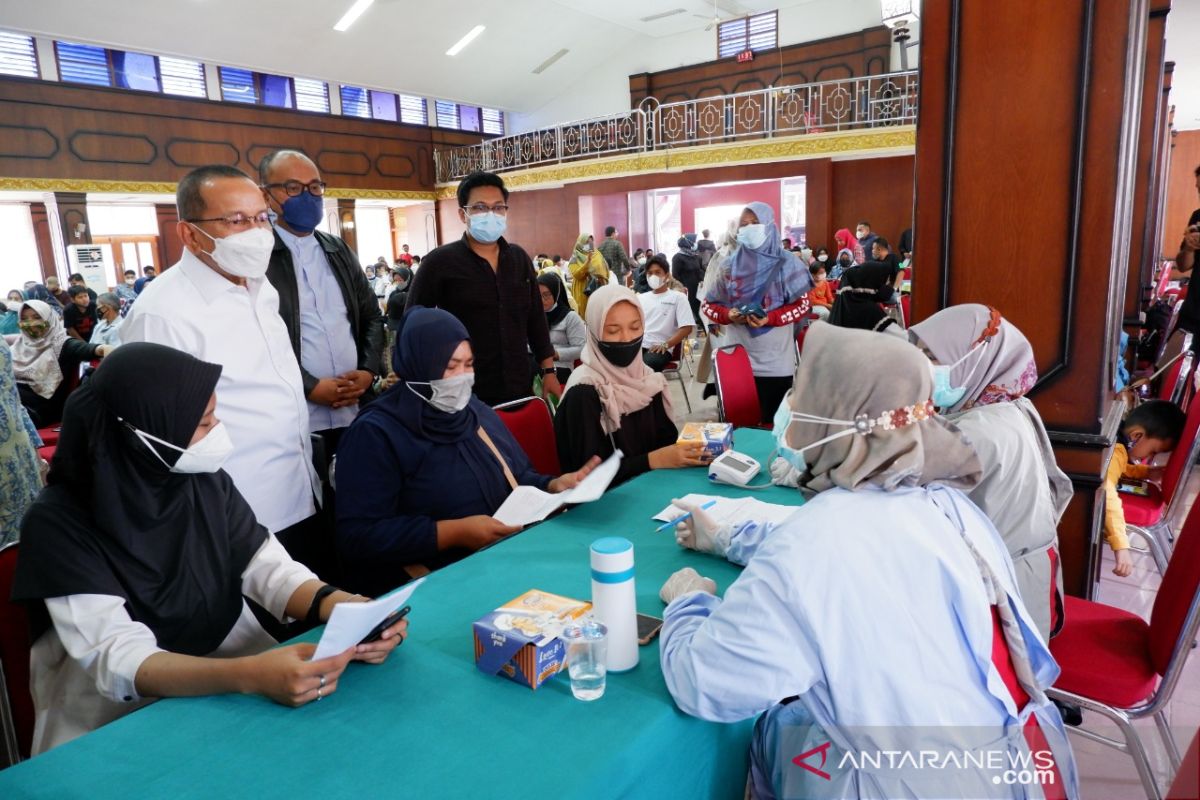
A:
868,620
983,368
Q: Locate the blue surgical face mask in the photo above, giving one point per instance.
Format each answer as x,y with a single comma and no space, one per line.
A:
486,228
945,394
303,212
752,236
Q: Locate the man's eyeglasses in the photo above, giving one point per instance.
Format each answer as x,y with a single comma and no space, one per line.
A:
239,220
483,208
294,188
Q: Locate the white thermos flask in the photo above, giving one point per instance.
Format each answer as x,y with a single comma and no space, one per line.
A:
614,601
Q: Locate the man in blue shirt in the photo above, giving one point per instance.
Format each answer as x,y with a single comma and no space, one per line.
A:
326,303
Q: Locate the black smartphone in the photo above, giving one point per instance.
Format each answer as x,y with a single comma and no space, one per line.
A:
388,622
648,628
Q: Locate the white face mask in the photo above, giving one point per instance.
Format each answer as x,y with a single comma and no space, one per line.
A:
654,282
752,236
245,254
450,395
587,248
206,455
823,257
641,260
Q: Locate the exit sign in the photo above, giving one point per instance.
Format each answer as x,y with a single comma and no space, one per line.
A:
744,56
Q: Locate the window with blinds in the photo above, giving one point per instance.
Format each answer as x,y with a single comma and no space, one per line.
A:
83,63
238,85
312,95
182,77
758,32
18,55
446,114
355,102
413,110
493,121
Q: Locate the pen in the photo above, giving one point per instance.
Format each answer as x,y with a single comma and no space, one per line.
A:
678,520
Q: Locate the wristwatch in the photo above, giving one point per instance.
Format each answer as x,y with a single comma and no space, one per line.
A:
549,371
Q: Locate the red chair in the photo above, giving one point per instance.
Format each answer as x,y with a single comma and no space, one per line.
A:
530,423
1117,665
906,308
737,396
1149,516
671,372
49,436
1002,661
16,703
1171,382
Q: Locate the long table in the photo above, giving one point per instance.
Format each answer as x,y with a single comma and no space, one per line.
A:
427,723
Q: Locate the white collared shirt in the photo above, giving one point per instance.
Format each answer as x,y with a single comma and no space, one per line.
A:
260,397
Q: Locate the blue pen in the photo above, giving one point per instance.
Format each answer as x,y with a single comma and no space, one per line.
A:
678,520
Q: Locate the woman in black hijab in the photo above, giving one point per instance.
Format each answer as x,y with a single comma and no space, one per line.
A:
136,556
567,331
687,269
862,290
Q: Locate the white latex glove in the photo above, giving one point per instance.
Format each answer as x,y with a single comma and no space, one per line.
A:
784,474
684,581
701,532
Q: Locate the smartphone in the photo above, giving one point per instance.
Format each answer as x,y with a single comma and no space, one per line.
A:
1139,489
648,628
388,622
753,310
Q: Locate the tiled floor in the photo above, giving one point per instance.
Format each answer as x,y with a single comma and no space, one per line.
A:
1105,773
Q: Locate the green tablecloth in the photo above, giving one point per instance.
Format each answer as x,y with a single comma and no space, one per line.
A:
427,723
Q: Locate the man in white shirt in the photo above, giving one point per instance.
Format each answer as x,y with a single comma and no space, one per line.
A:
108,327
668,316
217,304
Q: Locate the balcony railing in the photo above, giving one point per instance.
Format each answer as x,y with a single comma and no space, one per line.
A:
853,103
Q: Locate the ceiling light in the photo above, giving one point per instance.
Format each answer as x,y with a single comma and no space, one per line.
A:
354,13
464,41
549,62
670,13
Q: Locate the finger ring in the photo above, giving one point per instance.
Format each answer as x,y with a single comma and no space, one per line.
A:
322,681
318,694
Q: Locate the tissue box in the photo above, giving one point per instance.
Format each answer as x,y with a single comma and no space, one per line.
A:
716,436
520,638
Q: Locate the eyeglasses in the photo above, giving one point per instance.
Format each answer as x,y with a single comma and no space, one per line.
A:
484,208
294,188
240,220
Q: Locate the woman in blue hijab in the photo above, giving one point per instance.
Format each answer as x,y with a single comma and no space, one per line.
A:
757,297
422,469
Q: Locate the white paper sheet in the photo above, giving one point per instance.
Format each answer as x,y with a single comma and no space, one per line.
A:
350,622
733,510
527,505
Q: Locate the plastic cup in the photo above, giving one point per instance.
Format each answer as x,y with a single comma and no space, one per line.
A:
587,646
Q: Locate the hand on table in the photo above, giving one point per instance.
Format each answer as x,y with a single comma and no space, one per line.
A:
285,674
677,456
684,581
701,532
376,652
481,530
572,479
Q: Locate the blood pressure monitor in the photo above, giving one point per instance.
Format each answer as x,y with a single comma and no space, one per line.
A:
733,467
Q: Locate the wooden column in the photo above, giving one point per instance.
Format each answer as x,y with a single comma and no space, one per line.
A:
349,230
170,246
1143,229
1036,142
41,234
72,215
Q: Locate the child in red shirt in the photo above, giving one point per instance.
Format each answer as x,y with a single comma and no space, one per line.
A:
821,295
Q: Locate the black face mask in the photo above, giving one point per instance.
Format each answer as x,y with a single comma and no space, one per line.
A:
621,354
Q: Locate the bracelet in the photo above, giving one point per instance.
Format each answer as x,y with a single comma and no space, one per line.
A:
549,371
313,617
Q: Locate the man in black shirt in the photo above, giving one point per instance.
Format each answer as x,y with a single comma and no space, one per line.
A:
490,285
1189,315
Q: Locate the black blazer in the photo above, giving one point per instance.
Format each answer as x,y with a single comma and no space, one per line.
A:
362,307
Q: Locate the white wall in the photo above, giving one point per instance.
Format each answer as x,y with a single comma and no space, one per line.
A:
373,227
605,89
19,258
122,220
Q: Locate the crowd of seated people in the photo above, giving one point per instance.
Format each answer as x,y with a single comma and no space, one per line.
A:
933,496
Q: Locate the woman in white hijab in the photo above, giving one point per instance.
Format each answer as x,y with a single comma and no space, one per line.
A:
614,401
43,356
984,367
869,621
